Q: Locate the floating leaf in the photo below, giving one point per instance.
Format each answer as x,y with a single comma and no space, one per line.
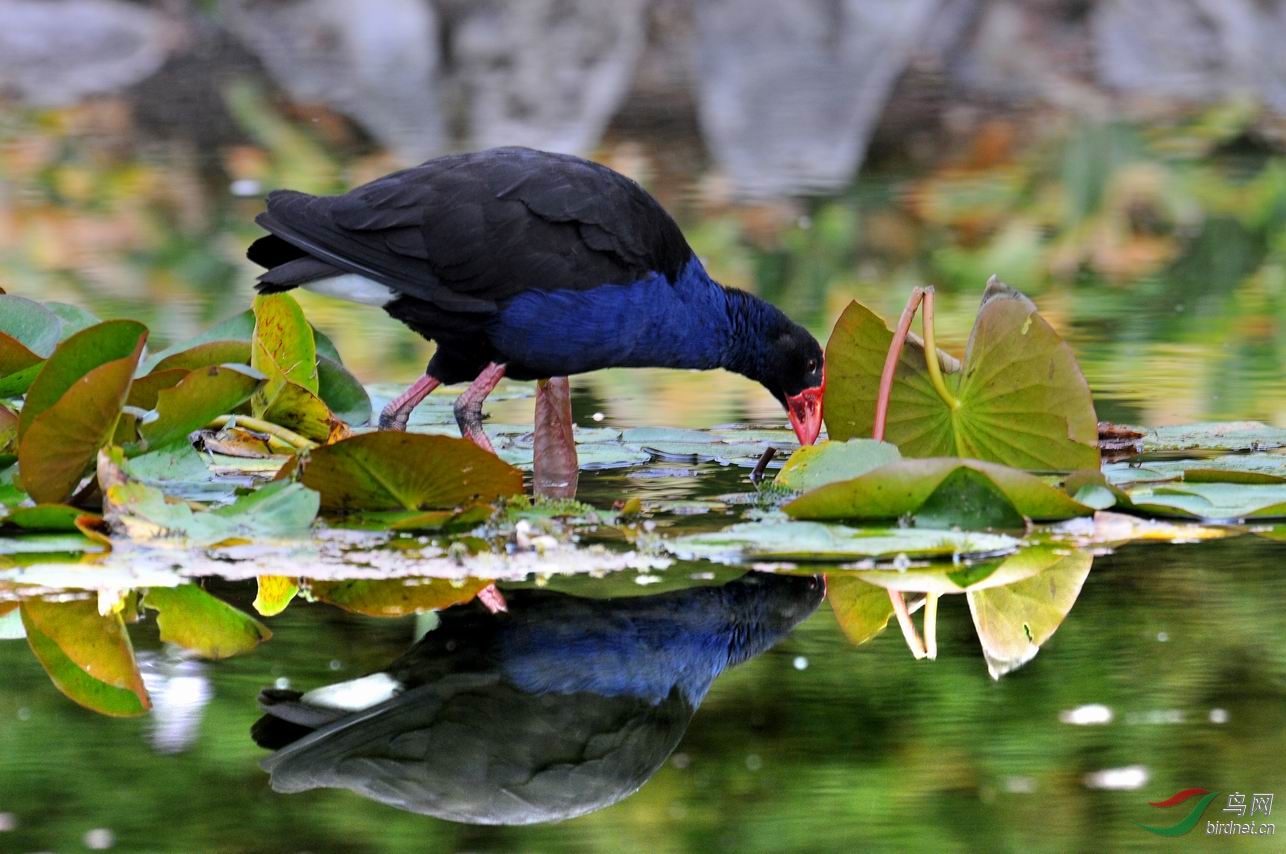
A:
73,406
201,397
278,510
1217,436
396,597
274,594
44,517
827,462
862,609
88,656
904,488
1220,501
1015,620
1228,468
411,471
814,541
1021,399
210,627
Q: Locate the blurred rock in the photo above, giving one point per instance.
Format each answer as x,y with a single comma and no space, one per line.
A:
1193,49
789,93
56,52
544,73
375,62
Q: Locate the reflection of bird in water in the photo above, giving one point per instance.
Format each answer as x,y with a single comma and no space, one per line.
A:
561,706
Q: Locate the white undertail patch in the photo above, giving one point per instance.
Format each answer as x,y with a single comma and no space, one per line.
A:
353,288
355,694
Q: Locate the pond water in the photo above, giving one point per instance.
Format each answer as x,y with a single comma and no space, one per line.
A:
1157,254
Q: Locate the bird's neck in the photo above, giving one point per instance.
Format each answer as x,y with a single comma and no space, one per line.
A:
752,326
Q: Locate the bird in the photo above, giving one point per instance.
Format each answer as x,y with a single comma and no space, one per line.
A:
532,265
558,707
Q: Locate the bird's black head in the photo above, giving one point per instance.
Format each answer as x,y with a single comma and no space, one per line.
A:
796,376
769,347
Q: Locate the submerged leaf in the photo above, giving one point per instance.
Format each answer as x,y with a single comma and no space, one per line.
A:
195,620
1219,501
410,471
87,655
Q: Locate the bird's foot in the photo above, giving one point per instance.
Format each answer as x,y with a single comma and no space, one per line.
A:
393,419
398,412
475,435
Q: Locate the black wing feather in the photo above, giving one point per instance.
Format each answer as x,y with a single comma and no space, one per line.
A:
466,231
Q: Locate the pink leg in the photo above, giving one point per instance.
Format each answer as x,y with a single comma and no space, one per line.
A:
555,471
491,597
398,411
468,406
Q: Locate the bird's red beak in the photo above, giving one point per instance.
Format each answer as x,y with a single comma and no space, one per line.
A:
805,411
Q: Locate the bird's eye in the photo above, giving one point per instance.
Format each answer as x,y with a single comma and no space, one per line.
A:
812,365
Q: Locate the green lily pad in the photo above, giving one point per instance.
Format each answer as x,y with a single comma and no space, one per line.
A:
826,543
342,392
28,334
409,471
986,495
87,656
827,462
73,406
144,514
1021,398
44,517
1214,501
73,317
1015,620
202,396
1229,468
204,355
143,391
1214,436
210,627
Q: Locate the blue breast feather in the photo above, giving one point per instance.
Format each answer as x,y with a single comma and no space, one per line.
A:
648,323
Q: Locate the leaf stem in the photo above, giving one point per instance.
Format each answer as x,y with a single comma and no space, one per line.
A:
904,621
890,368
931,353
931,625
258,425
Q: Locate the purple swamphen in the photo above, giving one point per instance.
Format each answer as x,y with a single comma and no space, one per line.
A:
531,265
